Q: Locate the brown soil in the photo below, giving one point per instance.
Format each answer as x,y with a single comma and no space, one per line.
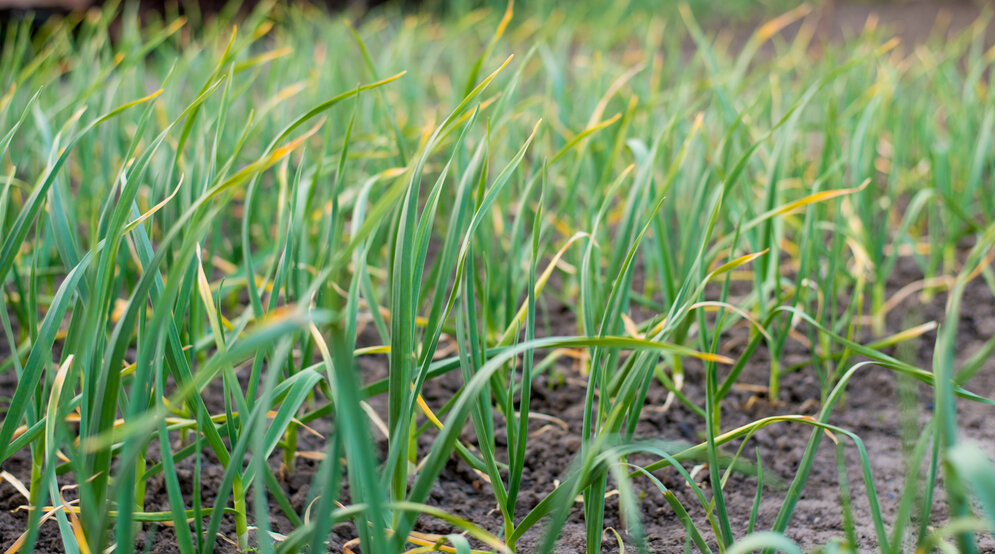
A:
870,410
910,20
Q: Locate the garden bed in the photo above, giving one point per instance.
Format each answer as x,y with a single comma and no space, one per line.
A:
912,202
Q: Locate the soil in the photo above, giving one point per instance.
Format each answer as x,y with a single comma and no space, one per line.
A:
912,21
870,410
